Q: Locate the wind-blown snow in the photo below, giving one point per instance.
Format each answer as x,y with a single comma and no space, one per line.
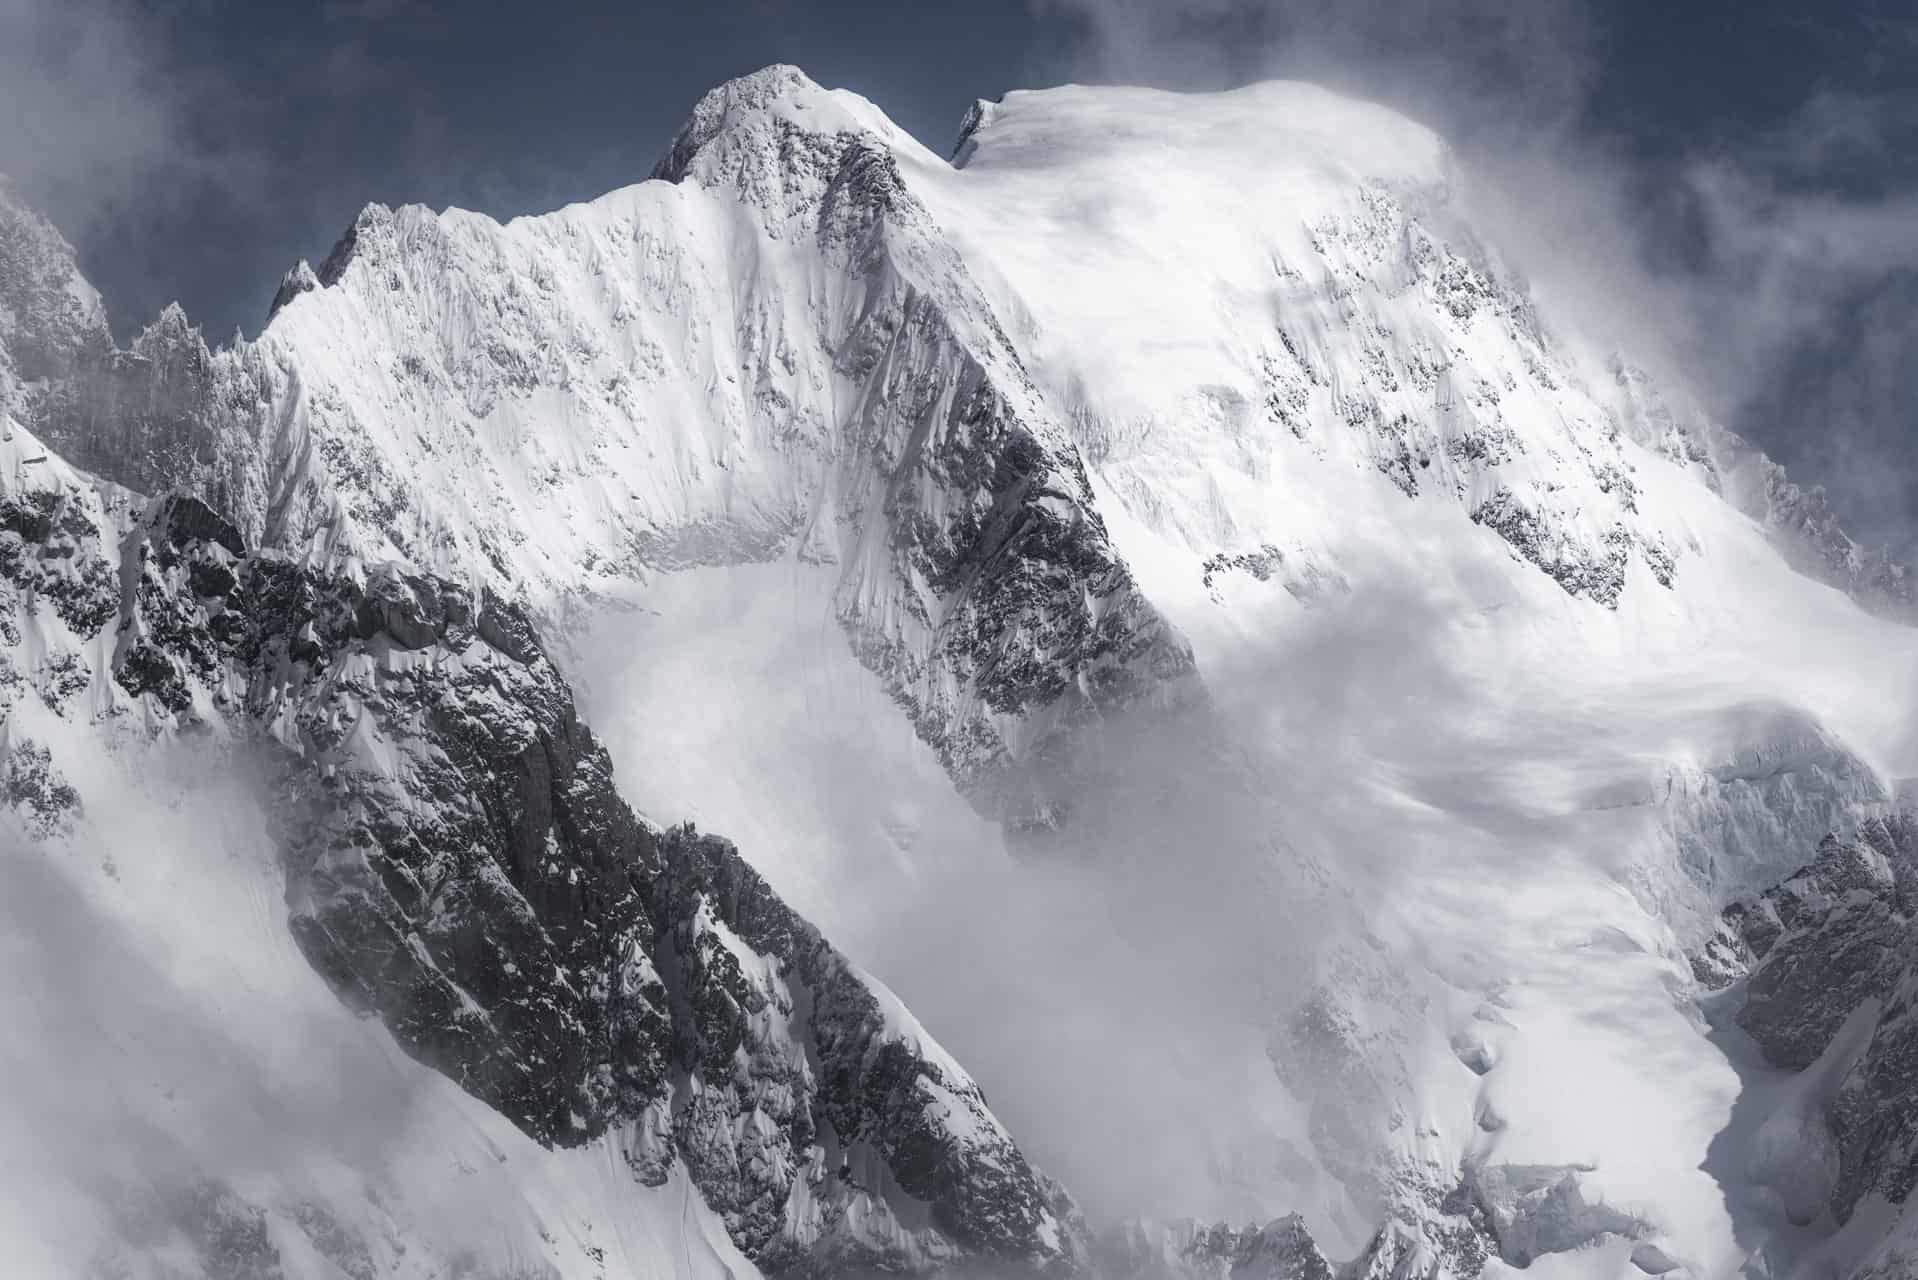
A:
1527,804
184,1090
1513,683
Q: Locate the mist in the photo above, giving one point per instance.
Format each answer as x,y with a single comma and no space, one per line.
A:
1118,988
1111,991
1395,812
1754,249
183,1091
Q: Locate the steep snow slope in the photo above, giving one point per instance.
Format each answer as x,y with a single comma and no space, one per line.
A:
186,1096
776,352
441,838
1525,669
1196,278
1338,447
1513,681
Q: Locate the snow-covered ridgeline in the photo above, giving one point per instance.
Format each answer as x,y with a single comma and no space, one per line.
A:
1217,287
445,841
1236,355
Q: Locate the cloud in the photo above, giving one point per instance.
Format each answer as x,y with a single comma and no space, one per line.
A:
374,10
104,124
1115,988
146,1056
179,1078
186,154
1420,55
1724,252
1836,129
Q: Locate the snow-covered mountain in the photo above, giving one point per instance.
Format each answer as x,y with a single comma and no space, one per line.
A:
456,861
1233,532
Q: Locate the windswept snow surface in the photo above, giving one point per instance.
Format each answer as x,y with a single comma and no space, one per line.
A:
1482,804
1505,699
1556,796
185,1095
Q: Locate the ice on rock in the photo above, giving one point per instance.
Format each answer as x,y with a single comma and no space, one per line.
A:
1536,668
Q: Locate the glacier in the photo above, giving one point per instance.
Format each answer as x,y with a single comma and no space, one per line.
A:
1154,587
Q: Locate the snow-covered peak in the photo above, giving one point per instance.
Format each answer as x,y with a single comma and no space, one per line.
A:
299,279
1136,367
760,106
1267,143
171,328
1240,295
50,316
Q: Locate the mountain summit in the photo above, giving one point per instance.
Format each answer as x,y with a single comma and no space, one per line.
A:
1451,747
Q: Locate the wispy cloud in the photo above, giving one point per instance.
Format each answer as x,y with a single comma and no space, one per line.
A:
102,123
1727,259
373,10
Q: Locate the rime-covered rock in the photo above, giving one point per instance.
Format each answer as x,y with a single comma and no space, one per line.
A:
997,398
1833,948
458,863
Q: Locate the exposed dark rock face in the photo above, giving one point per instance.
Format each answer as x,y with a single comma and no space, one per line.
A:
1820,547
460,865
1800,520
868,1084
32,787
1595,573
1828,938
51,551
1831,949
450,827
222,1235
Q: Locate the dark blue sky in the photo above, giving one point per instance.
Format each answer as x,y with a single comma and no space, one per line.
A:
300,114
193,149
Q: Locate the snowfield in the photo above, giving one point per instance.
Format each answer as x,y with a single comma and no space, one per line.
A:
1529,805
186,1091
1153,588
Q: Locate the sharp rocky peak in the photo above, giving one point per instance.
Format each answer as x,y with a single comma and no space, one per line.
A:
376,510
51,320
459,864
779,95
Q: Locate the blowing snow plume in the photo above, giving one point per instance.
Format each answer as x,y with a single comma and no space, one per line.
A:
1518,667
1751,246
185,1092
1333,944
1219,989
1066,970
1488,747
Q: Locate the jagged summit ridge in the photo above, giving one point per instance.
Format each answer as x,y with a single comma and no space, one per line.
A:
51,318
1033,454
458,863
778,93
754,137
1338,307
777,355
